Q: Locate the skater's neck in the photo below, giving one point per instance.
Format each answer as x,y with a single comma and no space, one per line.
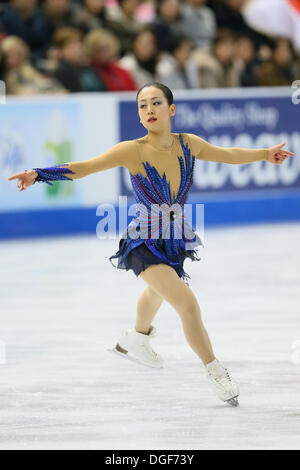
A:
162,140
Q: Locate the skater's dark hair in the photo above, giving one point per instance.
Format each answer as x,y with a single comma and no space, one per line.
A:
166,91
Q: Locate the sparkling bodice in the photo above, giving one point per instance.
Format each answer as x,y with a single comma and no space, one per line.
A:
161,221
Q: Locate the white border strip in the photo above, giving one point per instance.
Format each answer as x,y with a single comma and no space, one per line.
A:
222,93
201,93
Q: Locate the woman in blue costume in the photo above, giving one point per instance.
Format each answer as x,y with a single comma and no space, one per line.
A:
158,255
162,215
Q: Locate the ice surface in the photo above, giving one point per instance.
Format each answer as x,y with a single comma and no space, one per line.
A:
62,304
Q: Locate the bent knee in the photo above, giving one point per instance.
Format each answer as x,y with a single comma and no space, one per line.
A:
190,308
153,294
164,281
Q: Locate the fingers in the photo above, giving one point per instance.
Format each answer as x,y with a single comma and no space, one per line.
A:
21,185
17,175
277,148
280,155
280,159
281,145
283,154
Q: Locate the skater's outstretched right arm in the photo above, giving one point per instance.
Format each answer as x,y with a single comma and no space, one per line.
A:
122,154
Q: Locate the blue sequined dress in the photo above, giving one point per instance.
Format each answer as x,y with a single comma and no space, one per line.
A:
165,235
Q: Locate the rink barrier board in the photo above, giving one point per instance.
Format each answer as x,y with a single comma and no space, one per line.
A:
72,124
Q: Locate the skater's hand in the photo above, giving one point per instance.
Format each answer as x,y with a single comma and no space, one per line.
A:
277,155
25,179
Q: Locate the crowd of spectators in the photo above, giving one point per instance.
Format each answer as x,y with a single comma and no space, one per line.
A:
63,46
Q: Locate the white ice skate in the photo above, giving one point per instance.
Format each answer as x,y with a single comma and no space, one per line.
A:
136,347
223,383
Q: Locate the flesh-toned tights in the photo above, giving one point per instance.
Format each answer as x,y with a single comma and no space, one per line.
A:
163,283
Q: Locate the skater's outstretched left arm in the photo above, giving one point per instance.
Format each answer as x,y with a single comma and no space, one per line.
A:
203,150
122,154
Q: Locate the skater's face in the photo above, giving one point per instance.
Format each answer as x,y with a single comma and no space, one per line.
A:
154,110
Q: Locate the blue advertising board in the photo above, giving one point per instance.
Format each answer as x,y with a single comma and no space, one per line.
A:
42,132
244,122
235,121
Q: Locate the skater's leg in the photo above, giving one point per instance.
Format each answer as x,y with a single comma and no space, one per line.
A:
147,307
165,282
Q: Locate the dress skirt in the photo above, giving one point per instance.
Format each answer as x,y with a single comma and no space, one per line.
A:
141,257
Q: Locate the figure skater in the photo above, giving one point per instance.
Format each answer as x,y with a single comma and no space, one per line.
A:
161,168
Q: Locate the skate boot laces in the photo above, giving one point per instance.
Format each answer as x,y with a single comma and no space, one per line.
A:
142,342
224,379
146,346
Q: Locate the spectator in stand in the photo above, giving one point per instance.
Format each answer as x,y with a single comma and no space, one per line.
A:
229,16
20,77
123,24
179,47
296,68
178,70
58,14
245,52
192,19
91,15
21,18
279,71
103,50
165,25
142,62
2,65
71,69
198,22
218,68
145,12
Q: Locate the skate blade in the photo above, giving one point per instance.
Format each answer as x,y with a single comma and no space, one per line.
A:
123,353
233,402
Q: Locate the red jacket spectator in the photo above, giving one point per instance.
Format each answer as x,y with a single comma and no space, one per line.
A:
103,50
114,77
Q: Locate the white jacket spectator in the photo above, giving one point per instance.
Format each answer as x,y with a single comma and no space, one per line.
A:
142,61
198,22
140,75
175,77
177,70
20,76
123,23
219,68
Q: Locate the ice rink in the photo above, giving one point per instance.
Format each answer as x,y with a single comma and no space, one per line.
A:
63,304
